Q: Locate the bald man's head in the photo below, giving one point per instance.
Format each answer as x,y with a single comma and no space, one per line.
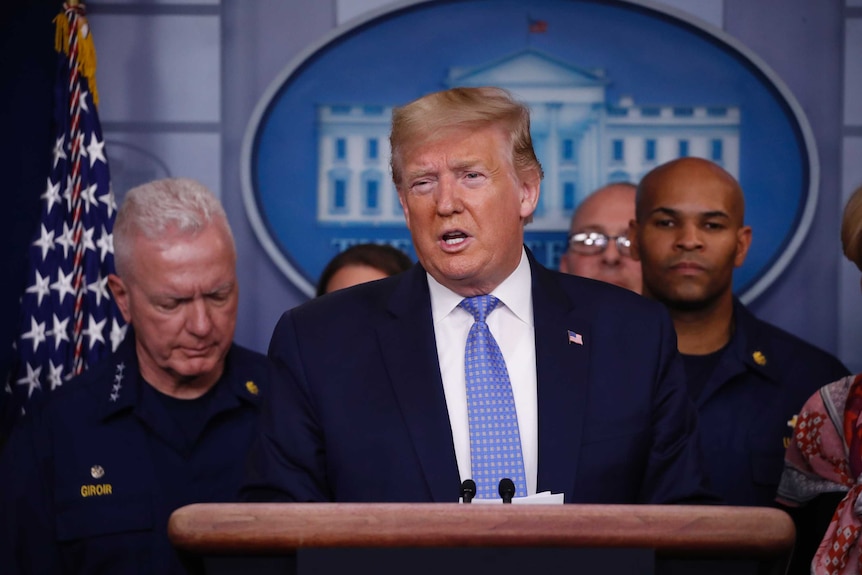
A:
689,233
699,175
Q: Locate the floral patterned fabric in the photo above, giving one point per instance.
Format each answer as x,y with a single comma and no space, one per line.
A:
825,455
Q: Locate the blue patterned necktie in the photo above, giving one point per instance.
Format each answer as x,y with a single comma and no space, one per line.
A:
495,442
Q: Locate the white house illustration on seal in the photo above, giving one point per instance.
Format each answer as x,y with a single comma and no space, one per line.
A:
582,141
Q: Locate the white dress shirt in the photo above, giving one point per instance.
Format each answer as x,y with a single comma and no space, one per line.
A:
511,324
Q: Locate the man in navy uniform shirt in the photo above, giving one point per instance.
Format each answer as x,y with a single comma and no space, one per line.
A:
747,378
90,480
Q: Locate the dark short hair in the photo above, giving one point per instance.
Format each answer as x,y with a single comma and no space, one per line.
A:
385,258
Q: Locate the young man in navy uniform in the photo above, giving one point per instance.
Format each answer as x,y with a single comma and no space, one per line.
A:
747,378
90,480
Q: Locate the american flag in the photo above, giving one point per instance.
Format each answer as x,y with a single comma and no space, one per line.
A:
68,318
537,26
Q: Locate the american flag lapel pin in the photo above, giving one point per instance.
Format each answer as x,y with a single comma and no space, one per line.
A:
575,338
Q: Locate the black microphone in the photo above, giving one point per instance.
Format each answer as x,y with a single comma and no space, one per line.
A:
468,490
506,489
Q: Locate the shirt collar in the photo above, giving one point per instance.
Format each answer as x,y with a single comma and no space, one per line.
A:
516,293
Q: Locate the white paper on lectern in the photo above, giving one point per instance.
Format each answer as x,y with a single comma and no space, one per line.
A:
544,498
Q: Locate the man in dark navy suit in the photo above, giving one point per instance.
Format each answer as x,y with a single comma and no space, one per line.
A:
372,401
747,378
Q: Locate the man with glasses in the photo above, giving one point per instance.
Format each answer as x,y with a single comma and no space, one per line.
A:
748,378
598,242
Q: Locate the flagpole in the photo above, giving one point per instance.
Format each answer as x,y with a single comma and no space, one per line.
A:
75,162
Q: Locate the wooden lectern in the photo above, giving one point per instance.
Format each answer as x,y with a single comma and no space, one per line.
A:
660,534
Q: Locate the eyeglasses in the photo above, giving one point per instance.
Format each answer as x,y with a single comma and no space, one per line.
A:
594,243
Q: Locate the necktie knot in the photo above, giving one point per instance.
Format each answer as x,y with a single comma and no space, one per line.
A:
479,306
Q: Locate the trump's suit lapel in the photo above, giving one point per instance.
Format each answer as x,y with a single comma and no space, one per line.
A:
415,376
562,375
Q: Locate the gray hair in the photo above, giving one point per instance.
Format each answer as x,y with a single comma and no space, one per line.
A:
152,208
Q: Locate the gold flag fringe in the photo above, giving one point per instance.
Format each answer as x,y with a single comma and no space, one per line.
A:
86,48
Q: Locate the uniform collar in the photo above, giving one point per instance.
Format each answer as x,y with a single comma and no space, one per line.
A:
239,379
122,380
119,390
747,352
749,347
